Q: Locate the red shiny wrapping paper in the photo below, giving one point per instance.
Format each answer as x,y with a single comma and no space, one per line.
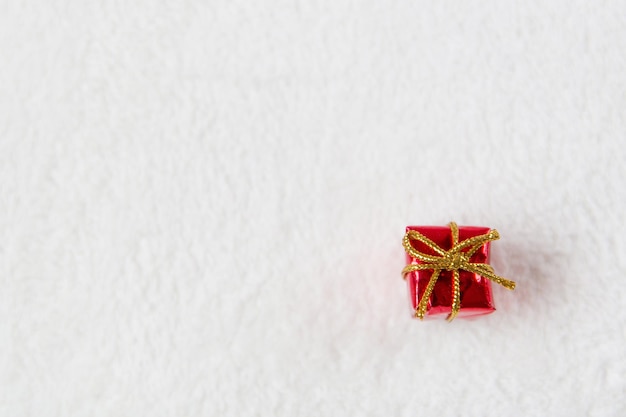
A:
476,297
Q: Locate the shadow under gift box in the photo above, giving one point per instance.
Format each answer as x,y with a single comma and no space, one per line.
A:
476,296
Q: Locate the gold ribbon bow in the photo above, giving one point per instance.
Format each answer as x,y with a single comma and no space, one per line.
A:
455,259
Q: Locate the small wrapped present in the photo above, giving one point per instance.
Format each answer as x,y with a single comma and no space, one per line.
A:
448,270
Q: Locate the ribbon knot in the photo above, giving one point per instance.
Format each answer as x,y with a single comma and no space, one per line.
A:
455,259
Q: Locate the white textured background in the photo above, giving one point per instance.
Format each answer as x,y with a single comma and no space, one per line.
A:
201,206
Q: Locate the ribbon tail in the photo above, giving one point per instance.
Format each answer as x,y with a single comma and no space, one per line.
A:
423,303
487,272
456,296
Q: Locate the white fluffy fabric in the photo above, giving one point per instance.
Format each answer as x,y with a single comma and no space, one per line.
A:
202,206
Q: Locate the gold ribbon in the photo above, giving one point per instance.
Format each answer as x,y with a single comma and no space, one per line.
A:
455,259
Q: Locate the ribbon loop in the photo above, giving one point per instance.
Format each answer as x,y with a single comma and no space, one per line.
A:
454,260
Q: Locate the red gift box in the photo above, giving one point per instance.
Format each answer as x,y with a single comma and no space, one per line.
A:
474,288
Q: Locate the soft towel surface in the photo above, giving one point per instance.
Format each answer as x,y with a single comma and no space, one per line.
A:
202,206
